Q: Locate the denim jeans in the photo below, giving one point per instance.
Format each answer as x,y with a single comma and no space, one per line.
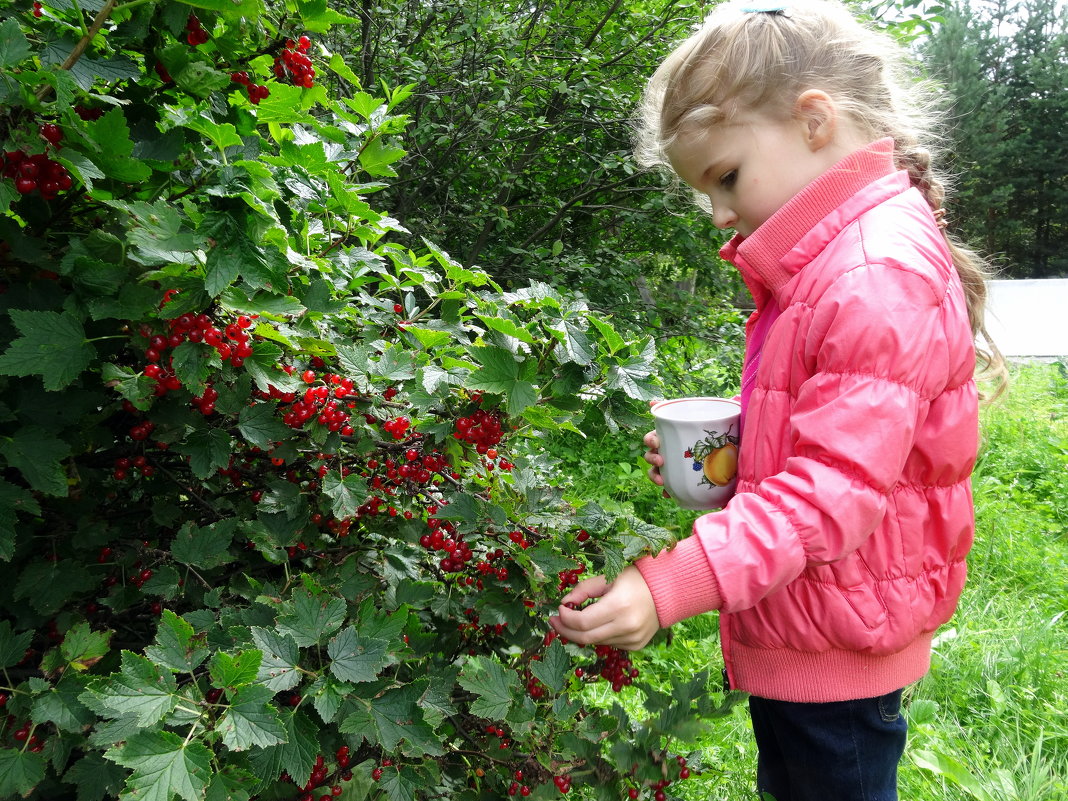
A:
840,751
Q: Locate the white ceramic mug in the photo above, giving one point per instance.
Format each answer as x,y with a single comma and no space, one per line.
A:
699,443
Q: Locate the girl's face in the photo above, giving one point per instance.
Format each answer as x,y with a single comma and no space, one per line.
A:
752,165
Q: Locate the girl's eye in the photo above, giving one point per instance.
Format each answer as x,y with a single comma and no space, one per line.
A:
727,180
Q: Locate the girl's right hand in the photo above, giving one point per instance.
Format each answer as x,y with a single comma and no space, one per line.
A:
653,457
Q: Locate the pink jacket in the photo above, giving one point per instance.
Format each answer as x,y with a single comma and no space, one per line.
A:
844,547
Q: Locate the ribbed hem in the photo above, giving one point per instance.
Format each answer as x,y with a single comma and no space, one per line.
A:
784,675
681,581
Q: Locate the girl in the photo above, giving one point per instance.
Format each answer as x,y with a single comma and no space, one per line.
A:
844,547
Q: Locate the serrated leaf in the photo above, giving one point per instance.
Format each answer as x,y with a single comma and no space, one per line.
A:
296,756
14,46
12,645
508,327
82,647
95,777
20,771
133,386
36,453
205,547
260,427
553,668
140,690
176,645
392,717
61,707
494,684
47,586
208,449
357,659
575,344
51,345
311,617
278,667
112,156
608,334
346,493
228,670
500,374
192,364
163,764
250,720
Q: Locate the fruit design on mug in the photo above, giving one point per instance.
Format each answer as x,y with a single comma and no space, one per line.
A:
716,457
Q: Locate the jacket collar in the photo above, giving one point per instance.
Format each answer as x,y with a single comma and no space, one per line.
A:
762,257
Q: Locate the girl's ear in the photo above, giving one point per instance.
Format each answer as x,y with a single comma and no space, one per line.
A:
818,114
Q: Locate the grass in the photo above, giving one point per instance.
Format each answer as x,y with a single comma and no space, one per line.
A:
990,720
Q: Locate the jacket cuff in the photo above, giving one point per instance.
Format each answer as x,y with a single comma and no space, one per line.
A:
681,582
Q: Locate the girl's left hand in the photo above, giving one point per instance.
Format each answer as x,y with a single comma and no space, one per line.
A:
624,615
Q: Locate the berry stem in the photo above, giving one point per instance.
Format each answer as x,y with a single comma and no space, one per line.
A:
82,44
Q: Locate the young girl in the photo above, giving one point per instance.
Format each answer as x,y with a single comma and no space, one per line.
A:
844,548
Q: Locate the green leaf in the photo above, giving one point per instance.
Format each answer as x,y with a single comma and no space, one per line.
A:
176,645
61,707
311,617
948,768
357,659
608,334
82,647
554,667
260,427
278,666
47,586
296,756
345,493
14,46
37,454
205,547
163,764
251,720
392,717
140,690
208,449
20,771
575,344
134,387
377,155
234,671
192,363
51,345
500,374
494,684
12,646
508,327
95,777
112,156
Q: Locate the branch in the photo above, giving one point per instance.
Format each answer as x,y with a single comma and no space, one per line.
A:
79,48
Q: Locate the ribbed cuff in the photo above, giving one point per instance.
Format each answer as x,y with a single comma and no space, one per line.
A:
681,582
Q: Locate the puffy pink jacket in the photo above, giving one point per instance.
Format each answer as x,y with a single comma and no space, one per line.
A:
844,547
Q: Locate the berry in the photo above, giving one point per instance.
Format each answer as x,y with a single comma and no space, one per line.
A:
52,133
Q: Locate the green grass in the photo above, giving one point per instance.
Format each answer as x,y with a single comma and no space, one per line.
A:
990,720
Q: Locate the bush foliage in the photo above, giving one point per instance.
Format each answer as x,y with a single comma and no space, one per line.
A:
268,524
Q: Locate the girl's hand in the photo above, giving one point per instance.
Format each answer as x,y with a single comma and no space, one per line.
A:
624,615
653,457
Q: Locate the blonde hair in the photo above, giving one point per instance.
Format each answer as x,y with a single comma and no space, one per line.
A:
762,60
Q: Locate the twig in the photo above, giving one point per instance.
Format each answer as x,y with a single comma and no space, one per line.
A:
79,48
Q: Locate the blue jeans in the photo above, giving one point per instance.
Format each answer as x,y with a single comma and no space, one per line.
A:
841,751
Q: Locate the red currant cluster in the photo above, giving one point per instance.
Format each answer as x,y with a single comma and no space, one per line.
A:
123,465
482,429
24,733
397,427
194,33
376,772
38,172
659,786
232,344
37,9
613,666
205,402
293,62
569,578
89,114
317,403
256,92
320,776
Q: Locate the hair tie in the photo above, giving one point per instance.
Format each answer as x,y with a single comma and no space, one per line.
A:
766,8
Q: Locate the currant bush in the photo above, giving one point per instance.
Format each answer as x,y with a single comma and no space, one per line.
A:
272,521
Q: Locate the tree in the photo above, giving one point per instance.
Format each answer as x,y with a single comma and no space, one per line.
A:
1005,68
268,527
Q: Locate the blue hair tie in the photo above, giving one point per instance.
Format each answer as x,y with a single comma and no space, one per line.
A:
767,8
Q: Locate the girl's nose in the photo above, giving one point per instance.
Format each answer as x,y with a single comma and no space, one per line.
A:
723,217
